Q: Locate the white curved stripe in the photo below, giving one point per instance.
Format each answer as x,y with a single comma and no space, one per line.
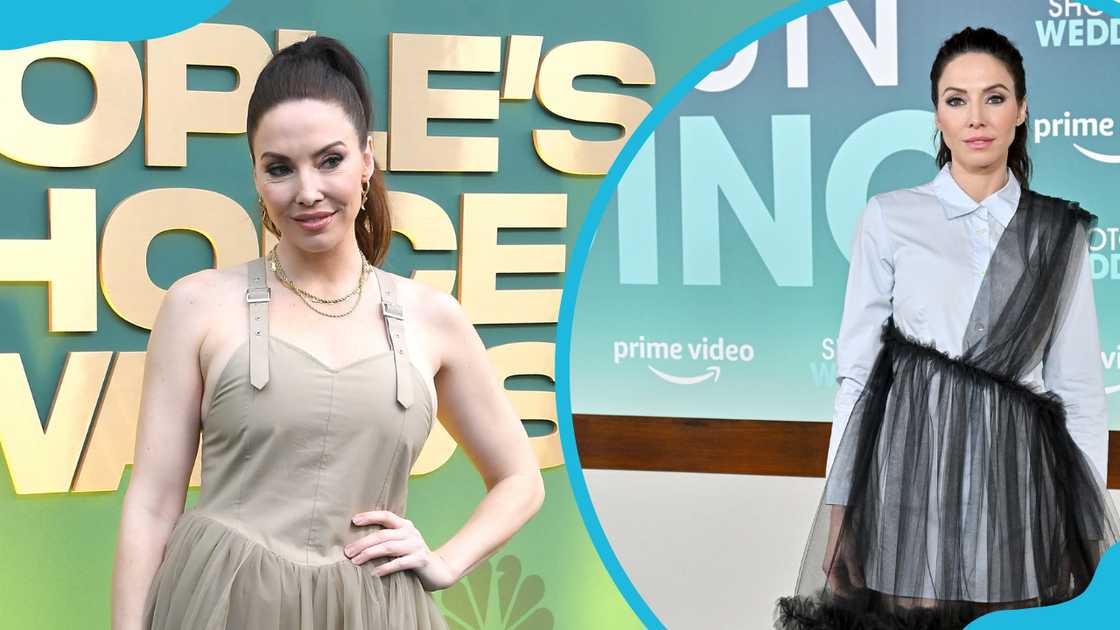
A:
1112,390
1100,157
686,380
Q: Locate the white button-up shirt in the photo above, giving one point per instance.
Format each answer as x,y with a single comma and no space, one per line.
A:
921,253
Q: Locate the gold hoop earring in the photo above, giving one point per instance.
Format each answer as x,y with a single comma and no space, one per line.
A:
365,192
266,222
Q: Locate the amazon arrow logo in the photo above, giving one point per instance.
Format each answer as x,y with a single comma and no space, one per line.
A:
1100,157
711,373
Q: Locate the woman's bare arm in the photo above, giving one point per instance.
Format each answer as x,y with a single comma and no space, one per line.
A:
166,444
481,418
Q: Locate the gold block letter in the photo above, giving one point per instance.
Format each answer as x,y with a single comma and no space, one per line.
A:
113,436
173,110
287,36
133,224
523,55
559,148
481,259
66,260
43,460
412,103
101,135
428,228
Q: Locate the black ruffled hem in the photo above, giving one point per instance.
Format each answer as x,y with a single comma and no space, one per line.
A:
827,612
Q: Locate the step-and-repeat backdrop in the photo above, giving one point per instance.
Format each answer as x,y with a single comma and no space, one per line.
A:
727,237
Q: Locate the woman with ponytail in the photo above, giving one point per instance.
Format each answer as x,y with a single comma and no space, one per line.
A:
968,455
310,376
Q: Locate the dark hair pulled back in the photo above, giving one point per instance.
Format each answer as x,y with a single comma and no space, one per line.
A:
321,68
988,41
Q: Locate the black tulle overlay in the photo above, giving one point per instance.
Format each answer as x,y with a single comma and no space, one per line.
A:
957,489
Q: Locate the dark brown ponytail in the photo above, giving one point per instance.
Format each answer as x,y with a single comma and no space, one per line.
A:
321,68
985,40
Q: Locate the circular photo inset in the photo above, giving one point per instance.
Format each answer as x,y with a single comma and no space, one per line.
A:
840,351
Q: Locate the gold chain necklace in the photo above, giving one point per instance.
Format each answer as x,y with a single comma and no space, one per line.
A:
286,281
282,276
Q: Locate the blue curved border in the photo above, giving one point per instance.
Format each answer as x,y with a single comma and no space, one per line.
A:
1088,610
29,23
579,258
575,273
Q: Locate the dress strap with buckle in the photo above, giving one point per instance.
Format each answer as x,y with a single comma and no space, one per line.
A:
393,313
258,296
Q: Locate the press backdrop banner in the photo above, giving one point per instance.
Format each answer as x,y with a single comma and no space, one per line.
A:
727,237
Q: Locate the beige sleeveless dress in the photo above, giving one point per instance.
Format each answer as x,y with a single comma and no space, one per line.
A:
291,450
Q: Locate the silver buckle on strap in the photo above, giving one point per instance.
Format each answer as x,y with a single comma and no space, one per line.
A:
396,311
263,294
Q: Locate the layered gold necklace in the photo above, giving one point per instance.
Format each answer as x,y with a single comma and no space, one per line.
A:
308,298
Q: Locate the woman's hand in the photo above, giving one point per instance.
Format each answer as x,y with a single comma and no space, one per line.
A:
841,568
400,540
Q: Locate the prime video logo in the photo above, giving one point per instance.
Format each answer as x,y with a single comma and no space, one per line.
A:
1069,126
705,350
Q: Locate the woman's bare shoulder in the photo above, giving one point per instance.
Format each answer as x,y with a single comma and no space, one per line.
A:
426,302
193,304
205,287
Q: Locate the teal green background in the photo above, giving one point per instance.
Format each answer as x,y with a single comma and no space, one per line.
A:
782,291
58,549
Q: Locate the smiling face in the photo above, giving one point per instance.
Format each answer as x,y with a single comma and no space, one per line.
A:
977,111
309,169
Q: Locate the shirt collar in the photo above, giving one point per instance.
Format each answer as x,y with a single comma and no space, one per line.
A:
957,203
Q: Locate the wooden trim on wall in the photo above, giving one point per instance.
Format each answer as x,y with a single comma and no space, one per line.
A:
745,447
